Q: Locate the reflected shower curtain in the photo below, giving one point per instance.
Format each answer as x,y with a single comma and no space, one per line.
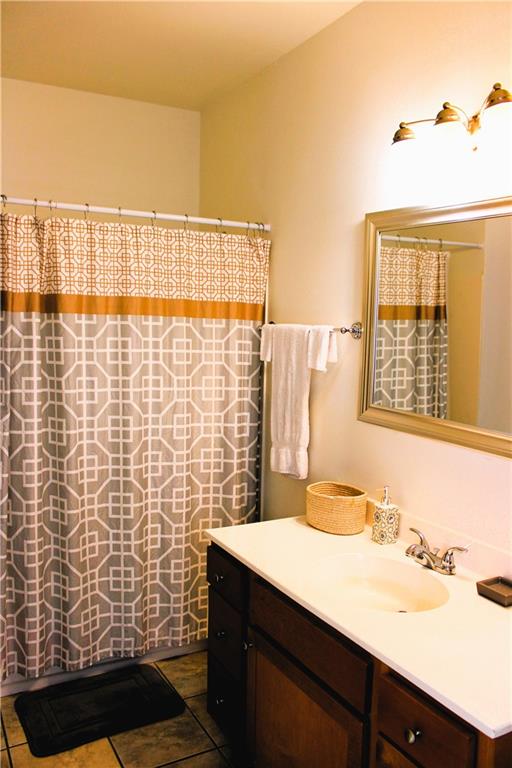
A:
411,371
130,424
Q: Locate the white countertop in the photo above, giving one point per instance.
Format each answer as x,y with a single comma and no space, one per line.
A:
459,653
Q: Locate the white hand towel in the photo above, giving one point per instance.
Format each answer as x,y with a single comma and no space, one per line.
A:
294,350
332,355
266,343
322,347
289,416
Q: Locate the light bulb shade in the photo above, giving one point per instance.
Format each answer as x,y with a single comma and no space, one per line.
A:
498,95
449,137
497,129
404,133
448,114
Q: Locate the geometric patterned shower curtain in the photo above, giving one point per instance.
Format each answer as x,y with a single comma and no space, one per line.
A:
411,371
130,423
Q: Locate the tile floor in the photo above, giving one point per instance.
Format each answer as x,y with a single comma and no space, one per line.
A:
191,740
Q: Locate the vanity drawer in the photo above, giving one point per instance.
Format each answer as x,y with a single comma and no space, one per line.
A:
226,576
225,634
441,741
345,670
225,700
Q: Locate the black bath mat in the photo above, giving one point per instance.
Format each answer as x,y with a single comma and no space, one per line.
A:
64,716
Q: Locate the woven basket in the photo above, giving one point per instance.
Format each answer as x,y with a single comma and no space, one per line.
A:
336,507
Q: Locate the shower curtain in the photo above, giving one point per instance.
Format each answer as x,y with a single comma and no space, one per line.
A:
411,371
130,424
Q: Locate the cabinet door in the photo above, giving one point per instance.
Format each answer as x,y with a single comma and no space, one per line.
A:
293,721
341,666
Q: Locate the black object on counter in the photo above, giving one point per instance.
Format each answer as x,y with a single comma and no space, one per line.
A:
498,589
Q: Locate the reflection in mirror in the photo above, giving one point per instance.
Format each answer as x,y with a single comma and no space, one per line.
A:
443,334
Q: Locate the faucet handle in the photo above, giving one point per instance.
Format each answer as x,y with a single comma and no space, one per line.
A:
423,539
448,559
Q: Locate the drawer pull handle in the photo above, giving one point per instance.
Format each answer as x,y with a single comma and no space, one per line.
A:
218,578
219,701
411,735
220,634
246,645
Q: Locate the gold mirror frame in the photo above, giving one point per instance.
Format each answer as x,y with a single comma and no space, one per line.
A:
437,429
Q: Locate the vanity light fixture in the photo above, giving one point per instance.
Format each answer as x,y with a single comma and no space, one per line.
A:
450,113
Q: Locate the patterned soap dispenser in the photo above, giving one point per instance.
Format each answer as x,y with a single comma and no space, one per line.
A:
385,520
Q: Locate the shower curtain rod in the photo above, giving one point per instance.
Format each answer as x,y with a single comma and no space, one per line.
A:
427,241
153,215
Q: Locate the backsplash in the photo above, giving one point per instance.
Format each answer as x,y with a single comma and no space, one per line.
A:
482,558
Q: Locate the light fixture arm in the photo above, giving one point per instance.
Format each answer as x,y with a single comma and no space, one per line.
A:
415,122
451,113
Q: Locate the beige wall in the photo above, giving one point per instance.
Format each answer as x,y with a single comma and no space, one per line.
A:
465,277
306,146
81,147
496,370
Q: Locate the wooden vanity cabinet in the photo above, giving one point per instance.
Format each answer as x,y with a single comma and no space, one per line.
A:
344,668
292,719
308,688
291,692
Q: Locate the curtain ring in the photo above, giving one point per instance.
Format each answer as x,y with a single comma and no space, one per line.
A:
35,207
86,212
440,244
185,223
399,241
218,226
50,206
119,211
153,219
4,202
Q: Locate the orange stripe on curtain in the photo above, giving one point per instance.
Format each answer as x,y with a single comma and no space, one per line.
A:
412,312
129,305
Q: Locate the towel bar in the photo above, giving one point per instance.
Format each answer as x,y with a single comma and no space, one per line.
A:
355,330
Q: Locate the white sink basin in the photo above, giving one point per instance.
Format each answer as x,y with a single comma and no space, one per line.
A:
380,584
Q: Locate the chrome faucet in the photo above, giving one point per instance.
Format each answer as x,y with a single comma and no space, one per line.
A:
429,558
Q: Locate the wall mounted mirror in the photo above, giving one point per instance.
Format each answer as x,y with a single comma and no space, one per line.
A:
438,350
